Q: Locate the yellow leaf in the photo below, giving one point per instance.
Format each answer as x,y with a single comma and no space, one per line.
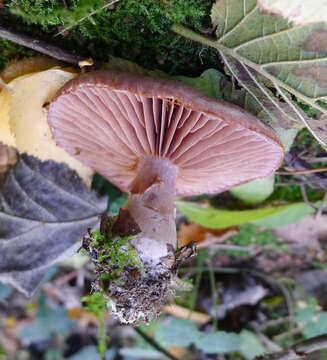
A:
34,64
29,98
5,134
23,116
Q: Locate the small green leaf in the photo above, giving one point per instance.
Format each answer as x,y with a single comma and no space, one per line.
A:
251,345
140,353
90,353
219,342
305,315
270,217
208,83
177,332
318,326
255,191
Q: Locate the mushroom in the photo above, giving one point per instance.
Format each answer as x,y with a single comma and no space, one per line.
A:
156,139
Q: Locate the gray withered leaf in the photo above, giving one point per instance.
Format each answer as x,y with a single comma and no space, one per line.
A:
45,209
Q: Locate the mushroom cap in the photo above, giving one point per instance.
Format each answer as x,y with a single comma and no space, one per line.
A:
109,120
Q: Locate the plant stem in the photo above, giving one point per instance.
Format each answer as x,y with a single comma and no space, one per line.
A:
200,259
154,344
214,296
300,350
301,172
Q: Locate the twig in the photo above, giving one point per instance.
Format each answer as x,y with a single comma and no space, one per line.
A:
154,344
185,313
322,206
300,350
315,160
39,45
214,296
298,164
301,172
271,346
270,280
87,16
292,183
295,331
305,197
274,322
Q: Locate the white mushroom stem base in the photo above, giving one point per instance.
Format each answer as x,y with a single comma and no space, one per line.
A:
150,211
151,204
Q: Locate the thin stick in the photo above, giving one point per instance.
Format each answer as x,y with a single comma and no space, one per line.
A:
292,183
305,197
301,172
214,296
322,206
87,16
39,45
298,351
154,344
315,160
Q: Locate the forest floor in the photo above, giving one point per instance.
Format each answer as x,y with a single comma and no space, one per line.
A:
267,287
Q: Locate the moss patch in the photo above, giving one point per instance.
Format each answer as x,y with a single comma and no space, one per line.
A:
135,30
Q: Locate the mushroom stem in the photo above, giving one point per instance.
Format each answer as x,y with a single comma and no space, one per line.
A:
151,206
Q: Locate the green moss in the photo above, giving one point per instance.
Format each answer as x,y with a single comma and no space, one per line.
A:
133,29
96,304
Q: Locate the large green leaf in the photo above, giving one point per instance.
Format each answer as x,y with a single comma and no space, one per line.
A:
263,51
270,217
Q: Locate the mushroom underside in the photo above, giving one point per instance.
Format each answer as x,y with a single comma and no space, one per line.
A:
110,130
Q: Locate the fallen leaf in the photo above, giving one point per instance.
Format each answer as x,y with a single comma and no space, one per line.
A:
307,232
16,68
45,210
83,317
27,111
193,232
8,157
31,84
6,135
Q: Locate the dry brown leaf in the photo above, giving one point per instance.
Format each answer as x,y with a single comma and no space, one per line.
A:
197,233
83,317
8,157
